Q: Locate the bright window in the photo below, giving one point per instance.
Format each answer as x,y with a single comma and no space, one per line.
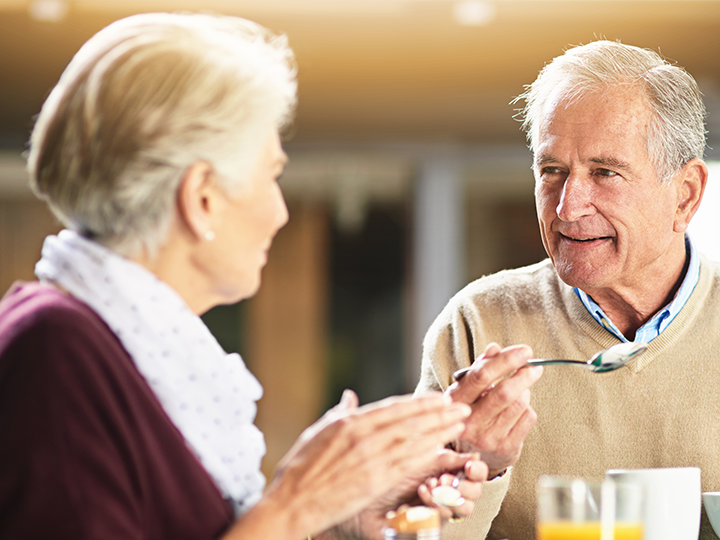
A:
705,226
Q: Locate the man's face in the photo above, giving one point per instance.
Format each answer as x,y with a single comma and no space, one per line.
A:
606,220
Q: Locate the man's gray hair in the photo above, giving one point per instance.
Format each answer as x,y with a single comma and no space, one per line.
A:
677,130
140,102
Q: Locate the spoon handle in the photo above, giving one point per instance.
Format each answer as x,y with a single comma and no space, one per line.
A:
460,373
549,362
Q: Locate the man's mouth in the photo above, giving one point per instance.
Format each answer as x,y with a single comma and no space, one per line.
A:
586,239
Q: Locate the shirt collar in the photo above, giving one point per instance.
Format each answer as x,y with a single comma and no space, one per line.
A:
662,319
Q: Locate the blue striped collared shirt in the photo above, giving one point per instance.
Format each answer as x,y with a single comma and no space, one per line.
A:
662,319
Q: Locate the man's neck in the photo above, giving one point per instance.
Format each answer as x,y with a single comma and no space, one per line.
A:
630,308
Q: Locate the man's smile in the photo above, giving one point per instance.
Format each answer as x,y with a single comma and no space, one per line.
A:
584,239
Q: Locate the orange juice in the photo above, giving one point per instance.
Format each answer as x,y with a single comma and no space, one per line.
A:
567,530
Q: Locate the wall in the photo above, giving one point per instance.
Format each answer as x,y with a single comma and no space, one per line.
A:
24,223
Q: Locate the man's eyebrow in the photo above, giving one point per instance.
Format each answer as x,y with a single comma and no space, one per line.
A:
611,162
542,159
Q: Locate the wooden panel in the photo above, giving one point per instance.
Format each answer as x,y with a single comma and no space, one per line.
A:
287,331
23,226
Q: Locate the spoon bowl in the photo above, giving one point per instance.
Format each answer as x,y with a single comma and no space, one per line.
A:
604,361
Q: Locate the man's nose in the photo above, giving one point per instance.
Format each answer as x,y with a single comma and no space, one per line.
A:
575,198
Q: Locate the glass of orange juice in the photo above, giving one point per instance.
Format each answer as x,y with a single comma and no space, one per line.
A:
574,509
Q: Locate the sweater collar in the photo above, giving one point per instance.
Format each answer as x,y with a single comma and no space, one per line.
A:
684,319
660,320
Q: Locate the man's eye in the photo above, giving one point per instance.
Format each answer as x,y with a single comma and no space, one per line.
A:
550,170
605,172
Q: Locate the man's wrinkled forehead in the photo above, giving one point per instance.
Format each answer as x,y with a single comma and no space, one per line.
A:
563,99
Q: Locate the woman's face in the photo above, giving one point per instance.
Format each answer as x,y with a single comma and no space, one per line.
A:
246,225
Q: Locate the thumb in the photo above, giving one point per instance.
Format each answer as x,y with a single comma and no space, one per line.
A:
349,400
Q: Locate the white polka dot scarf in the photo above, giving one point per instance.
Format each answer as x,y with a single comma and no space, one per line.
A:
209,395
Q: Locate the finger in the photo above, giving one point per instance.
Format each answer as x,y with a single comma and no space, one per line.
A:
503,403
446,479
476,470
464,510
377,476
522,427
471,492
500,366
412,456
395,408
426,498
355,439
487,370
493,433
431,420
349,400
394,457
424,492
492,349
472,489
512,414
449,461
378,427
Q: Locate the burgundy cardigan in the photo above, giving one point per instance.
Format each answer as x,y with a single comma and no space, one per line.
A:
86,450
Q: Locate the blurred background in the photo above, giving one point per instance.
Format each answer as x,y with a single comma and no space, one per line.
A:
408,175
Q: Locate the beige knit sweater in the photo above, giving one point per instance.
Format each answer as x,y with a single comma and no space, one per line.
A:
662,411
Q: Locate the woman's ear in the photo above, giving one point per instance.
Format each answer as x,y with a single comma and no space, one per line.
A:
694,177
196,199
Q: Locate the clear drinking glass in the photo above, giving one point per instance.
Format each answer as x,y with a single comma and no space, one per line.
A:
573,509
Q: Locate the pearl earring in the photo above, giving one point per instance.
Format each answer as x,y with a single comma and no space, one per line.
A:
209,235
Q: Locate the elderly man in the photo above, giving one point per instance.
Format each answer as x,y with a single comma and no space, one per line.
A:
618,137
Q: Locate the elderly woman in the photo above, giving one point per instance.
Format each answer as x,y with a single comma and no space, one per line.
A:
121,416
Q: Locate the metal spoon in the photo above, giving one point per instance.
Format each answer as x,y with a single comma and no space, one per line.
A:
603,361
449,496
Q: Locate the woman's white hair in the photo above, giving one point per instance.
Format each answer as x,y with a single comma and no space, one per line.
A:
140,102
677,130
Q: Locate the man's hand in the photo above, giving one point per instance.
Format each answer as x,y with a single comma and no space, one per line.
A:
498,391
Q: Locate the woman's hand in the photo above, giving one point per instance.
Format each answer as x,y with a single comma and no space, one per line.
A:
476,472
354,456
417,490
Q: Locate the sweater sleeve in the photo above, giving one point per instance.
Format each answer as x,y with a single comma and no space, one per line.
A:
477,525
452,342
